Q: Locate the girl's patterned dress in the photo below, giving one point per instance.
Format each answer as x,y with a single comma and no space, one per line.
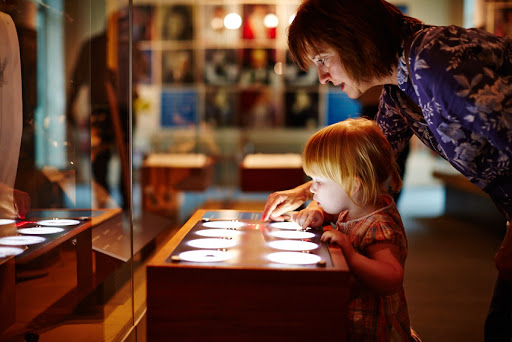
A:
373,317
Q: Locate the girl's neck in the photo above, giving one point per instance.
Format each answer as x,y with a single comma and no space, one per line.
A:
356,212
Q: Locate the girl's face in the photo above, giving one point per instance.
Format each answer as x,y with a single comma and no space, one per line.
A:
330,196
329,69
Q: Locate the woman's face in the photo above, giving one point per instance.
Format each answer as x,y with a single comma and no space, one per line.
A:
329,68
330,195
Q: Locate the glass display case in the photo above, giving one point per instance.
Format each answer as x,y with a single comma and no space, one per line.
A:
118,119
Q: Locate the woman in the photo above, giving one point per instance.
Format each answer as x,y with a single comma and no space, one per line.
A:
451,87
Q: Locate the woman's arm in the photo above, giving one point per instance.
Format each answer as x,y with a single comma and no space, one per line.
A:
281,202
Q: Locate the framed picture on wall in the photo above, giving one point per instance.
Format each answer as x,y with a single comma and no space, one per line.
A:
176,22
259,21
258,109
258,67
340,107
296,77
178,67
143,22
499,18
218,27
219,109
178,107
301,109
221,67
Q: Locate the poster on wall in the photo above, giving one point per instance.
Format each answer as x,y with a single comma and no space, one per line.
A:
499,18
296,77
143,22
220,107
258,67
176,22
178,66
301,109
178,107
221,24
259,21
221,67
258,109
340,107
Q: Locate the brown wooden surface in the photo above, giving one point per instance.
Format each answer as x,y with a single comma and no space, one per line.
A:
208,303
7,294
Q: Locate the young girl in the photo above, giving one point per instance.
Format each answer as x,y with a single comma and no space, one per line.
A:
352,167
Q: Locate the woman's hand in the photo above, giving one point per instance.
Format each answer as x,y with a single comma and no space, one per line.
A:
309,217
281,202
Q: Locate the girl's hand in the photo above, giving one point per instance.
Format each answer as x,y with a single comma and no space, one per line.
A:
342,240
309,218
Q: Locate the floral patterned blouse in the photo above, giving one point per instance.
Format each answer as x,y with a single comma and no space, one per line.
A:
462,81
375,318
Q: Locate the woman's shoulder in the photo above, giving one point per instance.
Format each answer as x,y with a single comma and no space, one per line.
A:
434,42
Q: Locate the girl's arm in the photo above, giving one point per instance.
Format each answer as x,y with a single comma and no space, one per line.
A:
381,271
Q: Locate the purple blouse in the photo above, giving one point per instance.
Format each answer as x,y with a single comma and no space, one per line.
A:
462,81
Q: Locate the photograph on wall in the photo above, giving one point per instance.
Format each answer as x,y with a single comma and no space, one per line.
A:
143,22
259,21
178,107
178,67
258,109
145,74
301,109
219,109
294,76
222,24
340,107
177,22
258,67
499,18
221,67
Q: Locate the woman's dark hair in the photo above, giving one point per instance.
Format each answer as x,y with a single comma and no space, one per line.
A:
365,33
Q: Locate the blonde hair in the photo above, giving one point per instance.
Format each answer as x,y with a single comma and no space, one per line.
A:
351,150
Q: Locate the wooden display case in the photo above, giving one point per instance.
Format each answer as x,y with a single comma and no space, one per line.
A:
271,172
244,298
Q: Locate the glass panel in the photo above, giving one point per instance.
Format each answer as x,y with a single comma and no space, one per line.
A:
65,179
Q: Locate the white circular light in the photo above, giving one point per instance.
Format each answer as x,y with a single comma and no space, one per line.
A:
21,240
224,224
205,256
291,234
291,245
8,251
217,23
6,221
278,68
218,232
41,230
290,20
58,222
285,225
295,258
232,21
271,20
212,243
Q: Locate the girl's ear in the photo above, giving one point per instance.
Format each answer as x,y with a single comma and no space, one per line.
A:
356,186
